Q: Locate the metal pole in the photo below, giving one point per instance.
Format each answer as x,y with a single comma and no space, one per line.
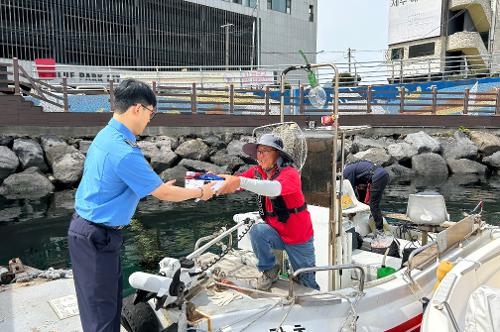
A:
349,58
282,96
253,46
466,100
401,71
434,100
227,48
111,96
258,34
65,93
17,86
227,26
497,102
335,216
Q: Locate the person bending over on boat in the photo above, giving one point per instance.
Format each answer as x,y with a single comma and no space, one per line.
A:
281,205
368,181
115,177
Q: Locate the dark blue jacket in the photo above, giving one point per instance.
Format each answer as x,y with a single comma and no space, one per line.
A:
363,172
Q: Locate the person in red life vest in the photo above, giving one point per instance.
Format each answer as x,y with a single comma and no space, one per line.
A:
282,206
369,182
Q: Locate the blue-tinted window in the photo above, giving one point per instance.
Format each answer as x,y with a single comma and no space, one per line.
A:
284,6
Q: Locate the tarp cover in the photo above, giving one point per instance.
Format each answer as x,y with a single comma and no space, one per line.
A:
483,310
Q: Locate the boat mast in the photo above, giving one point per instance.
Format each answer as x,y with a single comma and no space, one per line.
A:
335,214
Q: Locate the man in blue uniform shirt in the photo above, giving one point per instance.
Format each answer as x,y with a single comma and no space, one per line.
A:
115,177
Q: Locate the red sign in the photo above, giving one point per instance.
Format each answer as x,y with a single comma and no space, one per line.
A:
46,68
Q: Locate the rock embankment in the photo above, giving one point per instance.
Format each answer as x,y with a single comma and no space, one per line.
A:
37,166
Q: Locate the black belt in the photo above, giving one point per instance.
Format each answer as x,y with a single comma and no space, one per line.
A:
294,210
101,225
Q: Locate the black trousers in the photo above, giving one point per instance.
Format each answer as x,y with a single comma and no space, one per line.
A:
97,272
376,191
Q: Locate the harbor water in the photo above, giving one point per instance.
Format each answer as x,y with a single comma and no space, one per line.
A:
35,229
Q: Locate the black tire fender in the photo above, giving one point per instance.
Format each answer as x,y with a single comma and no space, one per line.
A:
138,318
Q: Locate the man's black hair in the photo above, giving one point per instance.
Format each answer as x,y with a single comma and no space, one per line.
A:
130,92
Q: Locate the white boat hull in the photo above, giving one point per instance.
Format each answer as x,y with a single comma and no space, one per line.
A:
392,305
449,302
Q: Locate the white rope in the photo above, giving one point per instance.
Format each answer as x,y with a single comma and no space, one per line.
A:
258,314
352,315
286,314
50,274
414,286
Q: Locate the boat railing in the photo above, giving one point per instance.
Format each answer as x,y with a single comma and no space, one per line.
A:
339,267
430,250
215,239
445,240
204,239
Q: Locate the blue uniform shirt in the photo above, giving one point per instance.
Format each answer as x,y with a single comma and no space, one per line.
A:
115,177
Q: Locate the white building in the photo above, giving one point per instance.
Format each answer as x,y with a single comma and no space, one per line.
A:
438,38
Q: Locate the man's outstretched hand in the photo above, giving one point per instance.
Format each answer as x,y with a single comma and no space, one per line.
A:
208,192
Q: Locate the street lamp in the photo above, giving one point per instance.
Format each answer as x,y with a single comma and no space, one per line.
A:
227,26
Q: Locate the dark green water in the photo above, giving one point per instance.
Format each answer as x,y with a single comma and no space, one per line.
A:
35,229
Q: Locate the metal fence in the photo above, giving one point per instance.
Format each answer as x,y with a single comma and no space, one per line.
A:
237,98
351,73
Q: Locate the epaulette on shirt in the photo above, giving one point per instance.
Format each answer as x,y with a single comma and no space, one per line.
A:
131,143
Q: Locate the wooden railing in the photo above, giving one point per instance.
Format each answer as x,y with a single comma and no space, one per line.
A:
197,99
24,84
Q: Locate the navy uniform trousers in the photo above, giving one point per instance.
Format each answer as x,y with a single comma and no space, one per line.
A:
97,272
380,181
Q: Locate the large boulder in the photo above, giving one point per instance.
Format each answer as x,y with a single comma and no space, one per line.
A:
8,162
148,149
493,160
402,151
49,141
457,147
222,159
360,144
466,166
55,152
423,142
165,141
193,149
234,148
84,146
6,140
30,153
68,168
214,141
165,158
377,156
29,183
430,165
175,173
487,143
201,166
398,172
